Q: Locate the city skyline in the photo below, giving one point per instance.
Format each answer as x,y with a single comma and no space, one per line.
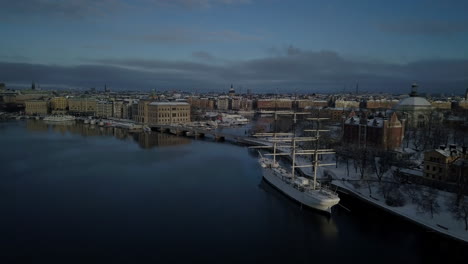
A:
262,45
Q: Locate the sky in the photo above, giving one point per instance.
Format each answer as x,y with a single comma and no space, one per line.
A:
262,45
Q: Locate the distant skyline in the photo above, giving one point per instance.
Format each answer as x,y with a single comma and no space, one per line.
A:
262,45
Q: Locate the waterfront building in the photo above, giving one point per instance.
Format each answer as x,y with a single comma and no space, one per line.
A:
58,105
235,103
246,104
82,106
161,113
446,164
37,107
274,104
127,110
303,104
222,103
375,132
104,109
117,111
141,112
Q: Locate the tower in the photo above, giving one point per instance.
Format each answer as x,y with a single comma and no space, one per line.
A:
33,86
231,91
414,90
466,94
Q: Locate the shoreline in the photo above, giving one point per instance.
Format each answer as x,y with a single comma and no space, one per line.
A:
363,198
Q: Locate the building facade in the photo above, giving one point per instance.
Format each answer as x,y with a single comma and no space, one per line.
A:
36,107
59,105
104,109
446,164
274,104
164,113
82,106
374,132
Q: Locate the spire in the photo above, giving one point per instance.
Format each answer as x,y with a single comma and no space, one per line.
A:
394,118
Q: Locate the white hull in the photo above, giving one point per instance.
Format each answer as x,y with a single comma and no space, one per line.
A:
59,118
316,199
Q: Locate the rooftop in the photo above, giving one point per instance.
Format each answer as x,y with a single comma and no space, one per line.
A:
169,103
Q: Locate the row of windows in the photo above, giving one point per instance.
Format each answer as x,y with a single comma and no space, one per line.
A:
434,168
173,120
434,177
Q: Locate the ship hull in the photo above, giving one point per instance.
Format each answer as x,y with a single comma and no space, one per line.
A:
304,198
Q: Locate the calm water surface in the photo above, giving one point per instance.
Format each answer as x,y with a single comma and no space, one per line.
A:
87,193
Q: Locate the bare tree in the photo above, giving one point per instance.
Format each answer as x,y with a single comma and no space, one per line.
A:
459,209
413,191
392,194
428,202
382,164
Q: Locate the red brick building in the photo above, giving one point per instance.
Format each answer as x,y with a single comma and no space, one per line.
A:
374,132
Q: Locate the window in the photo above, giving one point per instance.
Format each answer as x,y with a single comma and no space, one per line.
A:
427,167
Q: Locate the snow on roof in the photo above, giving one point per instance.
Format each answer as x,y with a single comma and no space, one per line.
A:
355,120
168,103
413,101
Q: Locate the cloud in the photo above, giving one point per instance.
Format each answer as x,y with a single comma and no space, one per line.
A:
182,36
204,56
198,3
323,71
82,8
427,28
69,8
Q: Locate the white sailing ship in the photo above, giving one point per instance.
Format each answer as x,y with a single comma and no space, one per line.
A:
306,191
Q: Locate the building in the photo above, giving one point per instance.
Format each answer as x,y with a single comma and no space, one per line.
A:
104,109
36,107
141,113
235,103
416,110
441,105
446,164
59,105
307,104
162,113
82,106
127,110
246,104
118,109
222,103
381,104
373,132
274,104
347,104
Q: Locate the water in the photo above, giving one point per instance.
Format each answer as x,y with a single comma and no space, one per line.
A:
78,193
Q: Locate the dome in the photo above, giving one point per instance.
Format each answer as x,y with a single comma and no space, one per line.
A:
412,102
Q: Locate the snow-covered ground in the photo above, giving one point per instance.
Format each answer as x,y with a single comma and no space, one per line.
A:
442,221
